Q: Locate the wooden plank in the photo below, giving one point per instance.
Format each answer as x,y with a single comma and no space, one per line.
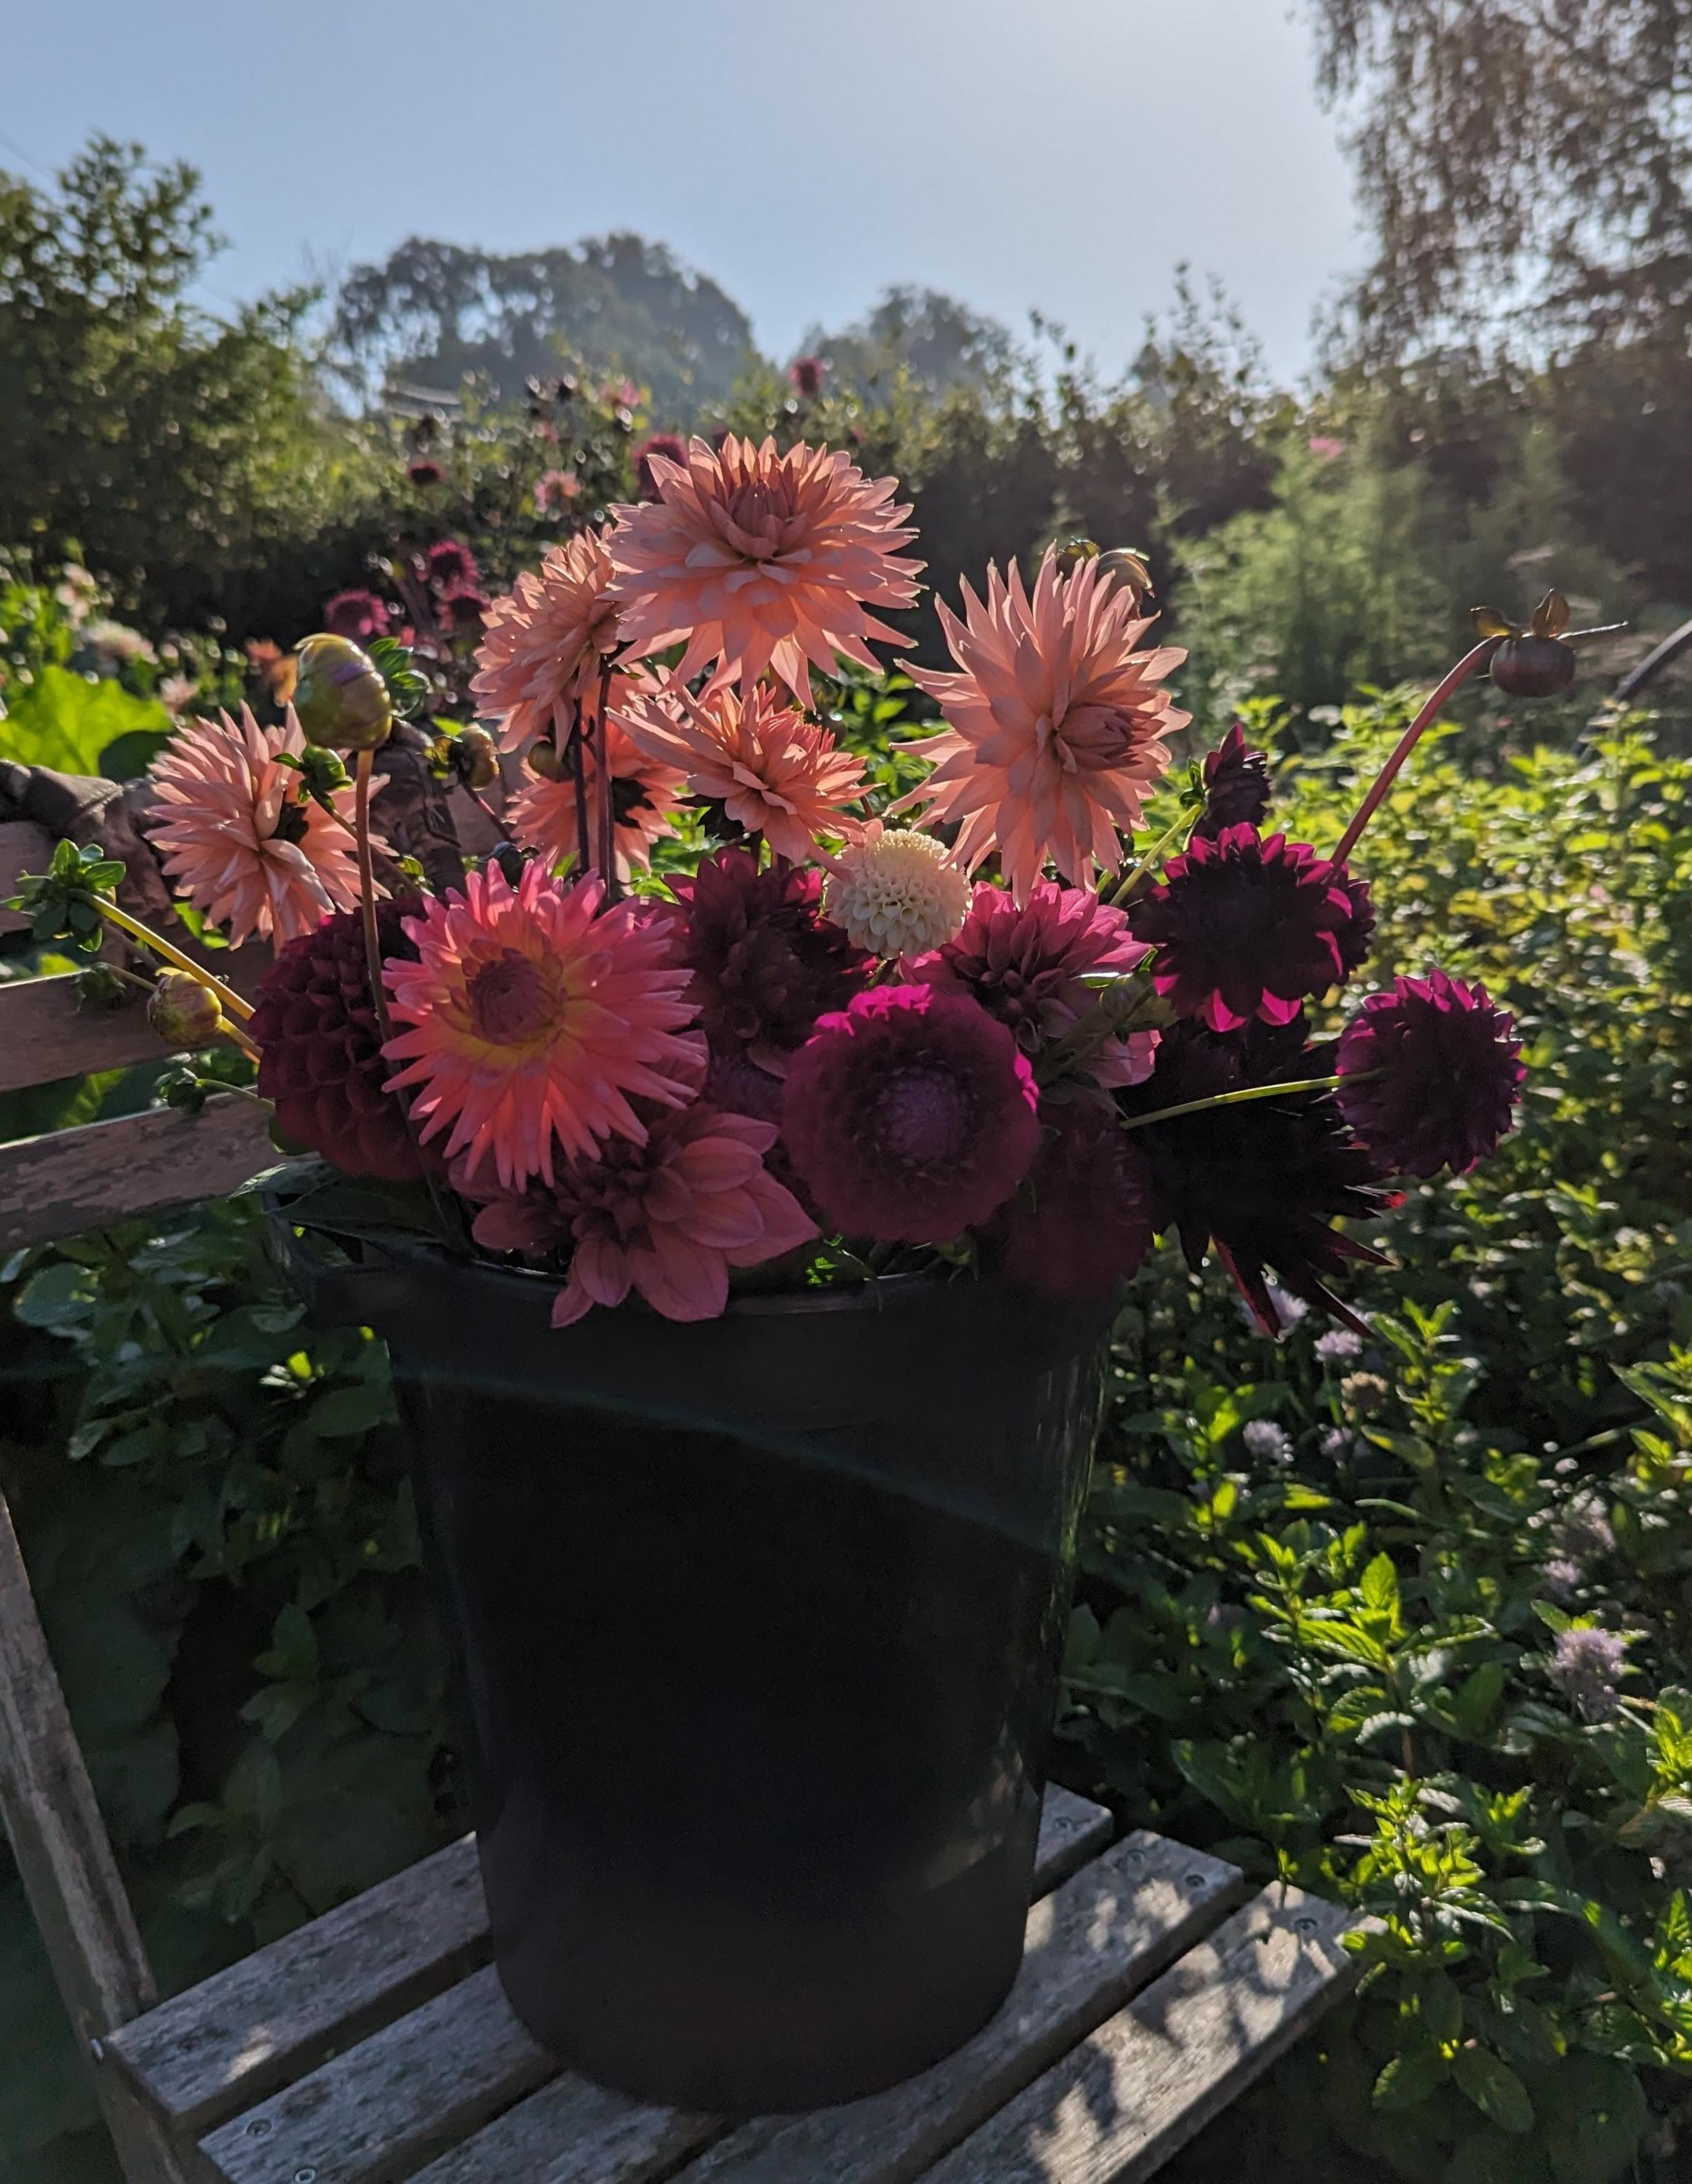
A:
423,2084
239,2035
48,1032
1116,2108
1098,1939
69,1180
23,848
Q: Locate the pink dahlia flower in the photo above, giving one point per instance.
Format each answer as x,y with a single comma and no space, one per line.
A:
1056,725
1430,1075
774,772
451,566
359,615
545,640
762,560
531,1019
1082,1223
910,1115
644,792
668,1217
235,838
555,489
1026,964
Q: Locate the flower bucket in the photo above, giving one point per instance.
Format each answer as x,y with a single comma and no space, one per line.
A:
754,1627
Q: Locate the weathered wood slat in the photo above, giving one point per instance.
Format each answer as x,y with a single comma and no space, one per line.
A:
70,1180
23,848
1098,1939
48,1032
1116,2108
572,2132
424,2083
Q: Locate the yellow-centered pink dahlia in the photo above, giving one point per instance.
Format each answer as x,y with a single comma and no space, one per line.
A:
1055,724
774,772
235,838
762,560
531,1018
544,642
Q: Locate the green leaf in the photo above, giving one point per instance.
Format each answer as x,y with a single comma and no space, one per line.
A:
128,756
65,721
1494,2089
58,1297
1410,2078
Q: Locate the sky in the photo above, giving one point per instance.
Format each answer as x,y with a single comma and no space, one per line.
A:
1061,156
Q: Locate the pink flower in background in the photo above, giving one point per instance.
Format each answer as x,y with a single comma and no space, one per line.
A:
531,1018
555,489
450,565
360,614
1325,449
544,642
644,791
1056,724
806,374
234,837
762,560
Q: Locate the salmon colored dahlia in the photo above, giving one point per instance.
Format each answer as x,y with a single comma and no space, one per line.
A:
543,643
530,1019
762,560
1055,725
235,838
774,772
542,815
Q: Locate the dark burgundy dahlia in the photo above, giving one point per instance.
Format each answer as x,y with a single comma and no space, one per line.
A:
910,1115
1262,1180
1082,1222
1236,785
1246,925
321,1047
1431,1073
766,964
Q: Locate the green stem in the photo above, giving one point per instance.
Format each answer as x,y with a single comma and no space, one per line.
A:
1407,742
1247,1092
367,891
227,998
1122,890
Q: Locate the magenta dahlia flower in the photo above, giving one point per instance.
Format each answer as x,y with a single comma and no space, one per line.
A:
1025,964
1082,1222
1236,785
910,1115
360,614
766,963
1245,926
1431,1073
450,565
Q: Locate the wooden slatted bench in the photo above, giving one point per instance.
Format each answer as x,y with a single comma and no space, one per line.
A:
374,2046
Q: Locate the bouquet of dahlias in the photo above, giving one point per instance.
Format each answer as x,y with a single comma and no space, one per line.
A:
971,1027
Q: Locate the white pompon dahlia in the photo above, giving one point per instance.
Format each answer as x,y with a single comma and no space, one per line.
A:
897,892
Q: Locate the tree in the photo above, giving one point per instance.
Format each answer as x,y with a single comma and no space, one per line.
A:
939,342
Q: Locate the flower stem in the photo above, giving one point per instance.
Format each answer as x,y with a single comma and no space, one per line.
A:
1239,1098
608,812
1407,742
227,998
367,891
1123,888
578,775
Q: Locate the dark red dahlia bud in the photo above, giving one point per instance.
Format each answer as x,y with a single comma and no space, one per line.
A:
1430,1075
183,1011
1533,666
1236,784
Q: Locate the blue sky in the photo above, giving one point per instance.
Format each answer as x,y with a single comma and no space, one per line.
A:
1062,155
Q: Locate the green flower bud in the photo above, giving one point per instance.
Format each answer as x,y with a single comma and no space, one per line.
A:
182,1012
340,696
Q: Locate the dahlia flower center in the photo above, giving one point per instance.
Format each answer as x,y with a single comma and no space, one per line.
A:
755,520
1086,739
923,1117
511,999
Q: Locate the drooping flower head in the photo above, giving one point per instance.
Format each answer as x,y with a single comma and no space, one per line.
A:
1026,963
644,792
762,560
320,1061
1236,785
235,838
360,614
897,892
910,1115
1082,1222
1431,1074
774,772
1056,724
764,963
668,1217
1245,927
532,1017
545,640
670,445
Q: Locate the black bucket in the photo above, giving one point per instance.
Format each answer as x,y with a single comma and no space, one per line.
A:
755,1626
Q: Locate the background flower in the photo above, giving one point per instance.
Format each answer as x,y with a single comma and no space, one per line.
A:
359,615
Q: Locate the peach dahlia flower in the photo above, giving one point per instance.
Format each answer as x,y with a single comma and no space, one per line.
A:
235,839
644,791
543,643
760,560
1056,725
774,772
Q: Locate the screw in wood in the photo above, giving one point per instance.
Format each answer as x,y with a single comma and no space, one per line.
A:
96,2051
1195,1881
1305,1926
260,2127
305,2176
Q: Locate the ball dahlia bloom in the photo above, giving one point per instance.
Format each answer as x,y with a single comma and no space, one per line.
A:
762,560
1026,963
667,1218
544,641
1246,925
235,839
896,892
531,1019
1236,785
774,772
1055,724
910,1115
1430,1075
1082,1222
644,792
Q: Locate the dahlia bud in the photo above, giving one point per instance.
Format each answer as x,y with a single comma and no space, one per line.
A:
340,697
545,763
475,759
1533,666
183,1011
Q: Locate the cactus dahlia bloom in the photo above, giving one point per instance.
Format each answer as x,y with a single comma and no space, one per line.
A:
762,560
532,1017
896,892
235,838
543,643
542,815
1054,727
